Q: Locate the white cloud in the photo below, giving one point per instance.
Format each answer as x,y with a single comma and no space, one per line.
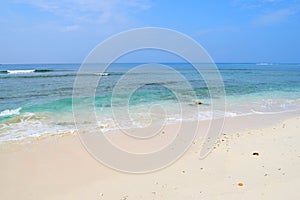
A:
91,11
274,16
265,12
255,4
70,28
214,30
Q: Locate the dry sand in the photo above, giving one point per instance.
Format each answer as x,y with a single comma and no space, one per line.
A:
60,168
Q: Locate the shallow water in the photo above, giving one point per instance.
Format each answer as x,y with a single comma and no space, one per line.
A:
36,99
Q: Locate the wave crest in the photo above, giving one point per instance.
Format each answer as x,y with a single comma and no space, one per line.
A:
7,112
20,71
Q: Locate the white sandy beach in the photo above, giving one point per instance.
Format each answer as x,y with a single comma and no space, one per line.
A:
60,168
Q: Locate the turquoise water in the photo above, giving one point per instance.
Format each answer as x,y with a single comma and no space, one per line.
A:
36,99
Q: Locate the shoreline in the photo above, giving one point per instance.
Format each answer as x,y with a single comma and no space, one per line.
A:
268,119
60,168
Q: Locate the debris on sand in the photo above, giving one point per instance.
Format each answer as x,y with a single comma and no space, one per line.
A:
255,154
198,102
240,184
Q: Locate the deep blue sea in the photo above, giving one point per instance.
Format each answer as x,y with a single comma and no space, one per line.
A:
36,99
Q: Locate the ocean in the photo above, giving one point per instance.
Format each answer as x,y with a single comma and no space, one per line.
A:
36,99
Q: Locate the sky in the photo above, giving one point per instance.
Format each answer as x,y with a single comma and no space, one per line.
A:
65,31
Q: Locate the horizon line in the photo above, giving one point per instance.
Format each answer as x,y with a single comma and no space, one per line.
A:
78,63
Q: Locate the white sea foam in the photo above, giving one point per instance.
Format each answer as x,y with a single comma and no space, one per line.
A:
30,125
264,63
7,112
20,71
102,74
272,113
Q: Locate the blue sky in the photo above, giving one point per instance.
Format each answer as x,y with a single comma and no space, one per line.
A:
55,31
